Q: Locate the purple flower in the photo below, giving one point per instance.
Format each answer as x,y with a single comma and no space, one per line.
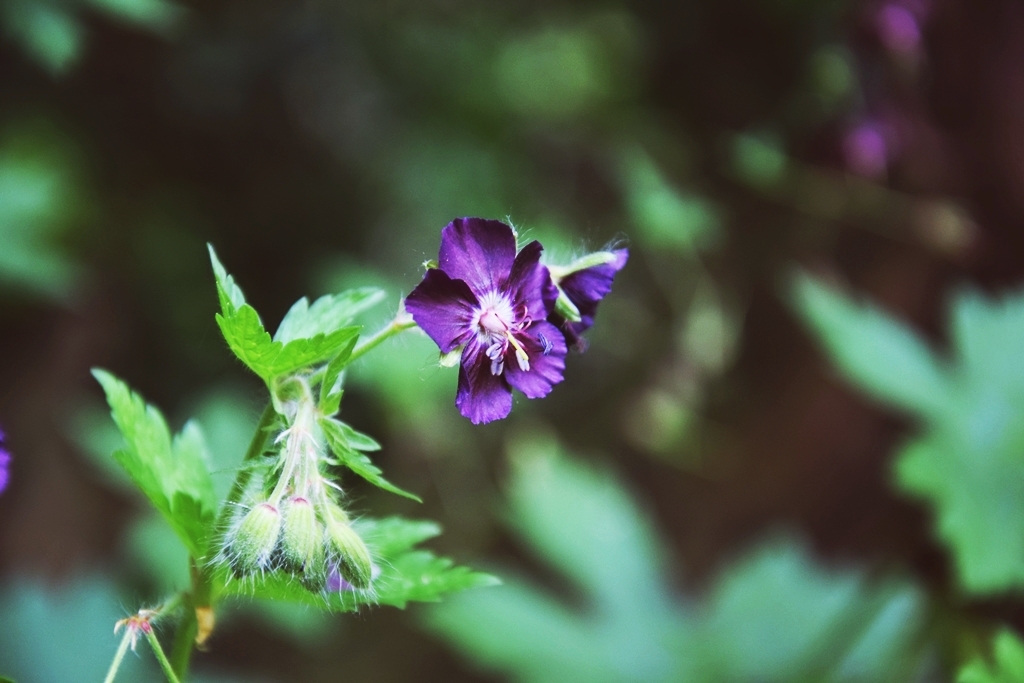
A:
493,304
336,583
585,288
5,461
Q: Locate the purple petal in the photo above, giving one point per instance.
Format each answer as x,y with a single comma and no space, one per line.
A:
545,346
482,396
443,308
5,461
529,284
586,288
478,251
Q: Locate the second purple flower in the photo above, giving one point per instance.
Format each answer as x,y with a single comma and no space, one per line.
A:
493,304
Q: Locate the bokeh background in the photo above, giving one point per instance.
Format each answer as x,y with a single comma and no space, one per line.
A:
878,146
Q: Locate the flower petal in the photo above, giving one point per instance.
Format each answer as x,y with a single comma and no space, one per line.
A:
5,461
529,284
545,368
443,308
586,288
482,397
479,251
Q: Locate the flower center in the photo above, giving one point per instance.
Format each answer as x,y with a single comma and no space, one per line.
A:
496,323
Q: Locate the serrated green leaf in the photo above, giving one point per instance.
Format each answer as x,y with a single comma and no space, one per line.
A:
327,314
251,343
229,293
406,575
1009,663
172,474
874,350
301,353
337,439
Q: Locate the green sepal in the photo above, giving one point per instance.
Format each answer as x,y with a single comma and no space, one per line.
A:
598,258
172,473
566,308
336,433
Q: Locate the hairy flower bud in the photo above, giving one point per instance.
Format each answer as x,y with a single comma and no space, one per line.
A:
256,537
302,538
351,553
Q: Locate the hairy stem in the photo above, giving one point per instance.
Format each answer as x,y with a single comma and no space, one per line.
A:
403,321
118,657
184,640
161,657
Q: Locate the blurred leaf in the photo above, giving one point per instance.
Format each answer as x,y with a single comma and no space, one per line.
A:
173,475
64,635
337,434
874,350
1009,663
48,32
666,217
406,574
153,543
327,314
967,462
774,616
760,161
153,14
38,199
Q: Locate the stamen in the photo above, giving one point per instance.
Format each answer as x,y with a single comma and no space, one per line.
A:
521,355
545,342
497,366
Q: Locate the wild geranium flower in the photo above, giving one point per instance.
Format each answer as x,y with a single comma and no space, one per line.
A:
584,283
493,304
5,462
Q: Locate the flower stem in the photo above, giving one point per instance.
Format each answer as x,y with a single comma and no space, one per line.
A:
118,657
161,657
403,321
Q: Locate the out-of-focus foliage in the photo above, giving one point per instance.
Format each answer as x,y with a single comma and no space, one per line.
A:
968,460
39,202
772,616
56,635
53,32
1007,667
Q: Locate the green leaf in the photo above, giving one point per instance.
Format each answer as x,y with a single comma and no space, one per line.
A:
1009,663
774,616
301,353
172,474
327,314
406,574
337,438
229,294
873,350
330,385
967,462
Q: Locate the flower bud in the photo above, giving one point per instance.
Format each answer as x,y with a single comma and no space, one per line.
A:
302,537
256,537
352,555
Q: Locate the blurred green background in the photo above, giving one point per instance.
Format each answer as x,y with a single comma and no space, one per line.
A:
793,449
